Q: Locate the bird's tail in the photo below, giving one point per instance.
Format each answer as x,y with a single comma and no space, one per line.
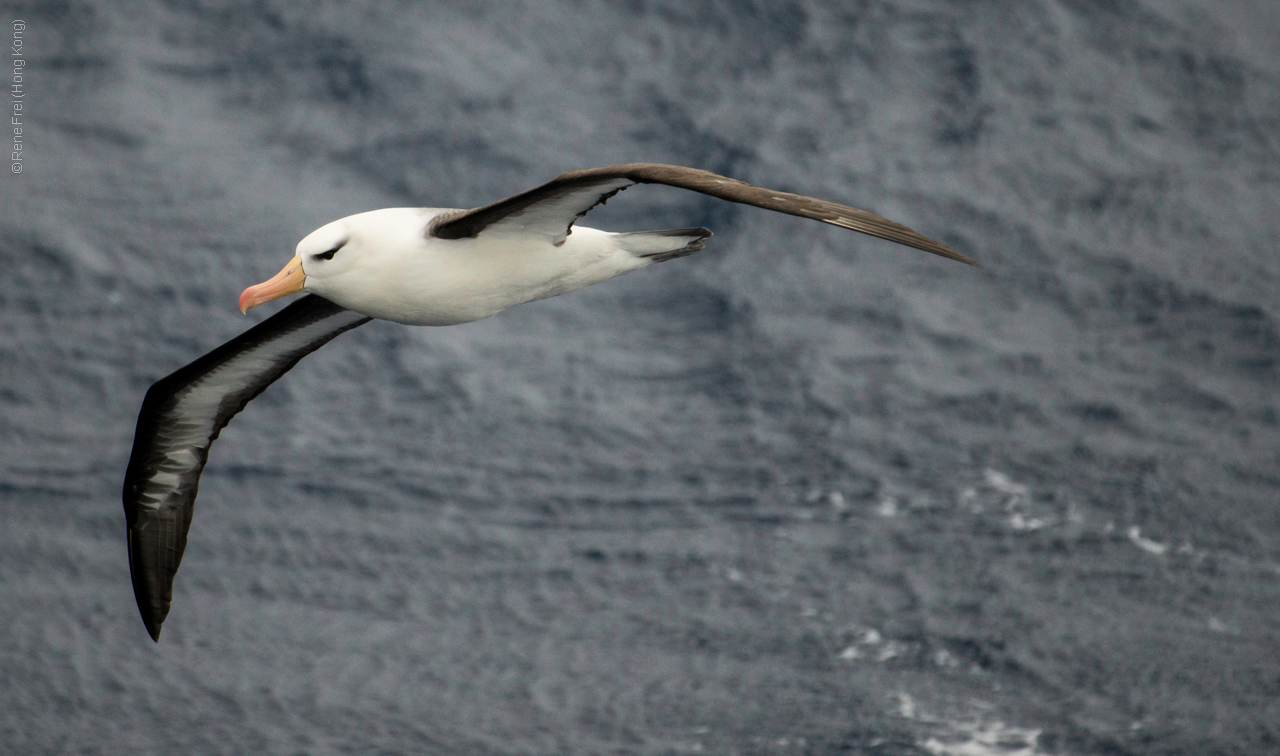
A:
660,246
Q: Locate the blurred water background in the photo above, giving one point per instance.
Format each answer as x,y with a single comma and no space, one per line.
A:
805,492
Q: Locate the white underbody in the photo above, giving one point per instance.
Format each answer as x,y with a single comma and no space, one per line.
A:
407,276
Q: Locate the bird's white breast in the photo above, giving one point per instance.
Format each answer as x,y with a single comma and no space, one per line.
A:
406,276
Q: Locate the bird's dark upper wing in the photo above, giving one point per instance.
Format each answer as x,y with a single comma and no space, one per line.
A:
181,416
552,208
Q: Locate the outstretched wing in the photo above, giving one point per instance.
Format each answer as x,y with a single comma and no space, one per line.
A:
181,416
552,208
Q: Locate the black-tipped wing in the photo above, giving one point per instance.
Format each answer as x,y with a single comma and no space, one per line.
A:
181,416
552,208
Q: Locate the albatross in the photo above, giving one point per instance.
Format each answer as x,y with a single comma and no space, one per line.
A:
417,266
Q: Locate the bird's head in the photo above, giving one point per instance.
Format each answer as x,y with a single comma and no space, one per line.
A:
317,258
333,258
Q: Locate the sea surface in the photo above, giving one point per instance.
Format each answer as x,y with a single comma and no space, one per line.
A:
806,492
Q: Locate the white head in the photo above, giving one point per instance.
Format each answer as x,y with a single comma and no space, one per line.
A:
338,260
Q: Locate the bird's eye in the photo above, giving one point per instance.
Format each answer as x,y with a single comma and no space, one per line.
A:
328,255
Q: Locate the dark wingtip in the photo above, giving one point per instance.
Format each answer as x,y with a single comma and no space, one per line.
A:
149,619
143,590
937,248
943,250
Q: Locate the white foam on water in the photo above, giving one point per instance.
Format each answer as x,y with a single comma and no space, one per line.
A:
1146,544
888,507
891,650
1005,485
975,737
1019,522
985,739
944,659
871,637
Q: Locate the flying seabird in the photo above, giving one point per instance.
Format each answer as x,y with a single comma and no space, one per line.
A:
417,266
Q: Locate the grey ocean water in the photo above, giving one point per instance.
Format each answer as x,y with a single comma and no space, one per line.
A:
805,492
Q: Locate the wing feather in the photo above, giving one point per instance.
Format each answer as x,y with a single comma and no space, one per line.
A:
181,416
553,207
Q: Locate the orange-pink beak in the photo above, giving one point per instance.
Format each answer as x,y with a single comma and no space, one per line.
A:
288,281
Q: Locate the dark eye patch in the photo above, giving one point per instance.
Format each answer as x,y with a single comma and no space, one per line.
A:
329,255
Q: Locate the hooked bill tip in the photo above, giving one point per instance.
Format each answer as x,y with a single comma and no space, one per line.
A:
290,280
